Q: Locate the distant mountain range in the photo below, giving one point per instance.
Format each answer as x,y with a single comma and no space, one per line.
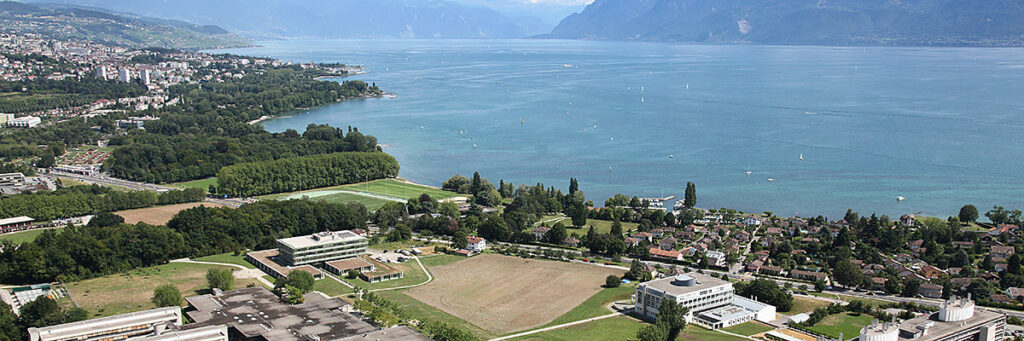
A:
802,22
61,22
273,19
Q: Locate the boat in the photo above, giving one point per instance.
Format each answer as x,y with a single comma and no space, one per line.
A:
611,139
801,156
900,198
641,88
770,179
748,169
641,99
474,146
566,65
671,156
522,120
687,86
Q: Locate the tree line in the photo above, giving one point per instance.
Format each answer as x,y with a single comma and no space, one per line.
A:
304,172
82,200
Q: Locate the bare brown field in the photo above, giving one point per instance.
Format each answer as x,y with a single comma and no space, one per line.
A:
503,294
158,215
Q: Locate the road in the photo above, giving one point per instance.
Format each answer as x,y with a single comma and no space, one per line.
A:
104,180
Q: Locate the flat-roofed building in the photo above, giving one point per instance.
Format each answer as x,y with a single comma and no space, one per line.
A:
15,224
320,247
147,322
12,179
711,302
268,261
956,320
206,333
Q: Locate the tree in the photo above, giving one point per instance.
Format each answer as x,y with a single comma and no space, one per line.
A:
104,219
293,295
819,285
352,274
41,312
987,263
979,289
690,199
616,229
766,291
672,317
892,286
612,281
1013,265
220,278
459,240
968,213
556,235
9,329
960,259
476,186
573,186
847,274
652,333
302,280
636,270
578,212
911,287
166,295
457,183
440,331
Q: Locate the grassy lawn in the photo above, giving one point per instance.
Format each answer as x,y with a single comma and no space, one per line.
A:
594,306
131,291
400,189
371,203
439,259
68,182
749,328
846,323
621,328
229,258
203,184
601,226
403,244
26,236
331,287
805,305
422,311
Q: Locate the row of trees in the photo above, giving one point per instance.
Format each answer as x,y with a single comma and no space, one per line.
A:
44,311
45,94
83,200
304,172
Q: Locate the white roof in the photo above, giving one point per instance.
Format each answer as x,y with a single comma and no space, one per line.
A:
16,220
799,318
327,237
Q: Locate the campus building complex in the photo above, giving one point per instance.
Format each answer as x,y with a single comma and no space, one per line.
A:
711,301
321,247
154,324
956,320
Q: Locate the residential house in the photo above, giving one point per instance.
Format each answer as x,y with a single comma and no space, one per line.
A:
475,244
773,231
1000,251
644,236
929,271
539,231
658,232
1015,292
931,290
878,283
907,220
915,245
1000,298
664,254
716,258
771,270
963,244
960,284
808,275
632,241
667,243
755,265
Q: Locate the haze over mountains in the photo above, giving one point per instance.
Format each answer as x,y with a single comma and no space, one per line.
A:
274,19
820,22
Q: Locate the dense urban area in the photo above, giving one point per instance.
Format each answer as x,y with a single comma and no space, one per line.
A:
142,199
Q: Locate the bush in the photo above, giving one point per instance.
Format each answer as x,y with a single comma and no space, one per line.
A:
612,281
166,296
220,278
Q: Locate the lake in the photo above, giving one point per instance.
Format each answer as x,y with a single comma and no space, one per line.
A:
939,126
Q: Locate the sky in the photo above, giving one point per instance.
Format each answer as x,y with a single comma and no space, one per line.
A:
548,11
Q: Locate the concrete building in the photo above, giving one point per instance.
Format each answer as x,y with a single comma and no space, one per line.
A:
146,76
101,72
124,75
25,122
12,179
711,301
716,258
475,244
4,118
256,314
956,320
207,333
15,224
139,324
135,122
321,247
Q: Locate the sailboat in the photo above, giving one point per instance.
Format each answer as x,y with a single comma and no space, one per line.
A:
671,156
801,156
641,99
522,120
687,86
748,169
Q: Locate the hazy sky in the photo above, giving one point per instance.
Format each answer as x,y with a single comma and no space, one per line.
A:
550,11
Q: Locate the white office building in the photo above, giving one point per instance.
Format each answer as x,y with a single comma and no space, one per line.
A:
956,320
4,118
712,302
321,247
25,122
101,72
716,258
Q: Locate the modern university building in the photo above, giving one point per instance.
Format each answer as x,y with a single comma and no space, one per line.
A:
712,302
315,249
956,320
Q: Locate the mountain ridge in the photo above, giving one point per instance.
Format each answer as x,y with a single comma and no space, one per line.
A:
801,22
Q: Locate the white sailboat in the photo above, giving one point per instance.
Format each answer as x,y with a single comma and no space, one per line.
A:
801,156
748,169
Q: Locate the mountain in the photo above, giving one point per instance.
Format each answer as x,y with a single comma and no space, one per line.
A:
263,19
63,22
802,22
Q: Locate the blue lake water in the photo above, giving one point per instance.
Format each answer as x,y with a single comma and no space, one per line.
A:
939,126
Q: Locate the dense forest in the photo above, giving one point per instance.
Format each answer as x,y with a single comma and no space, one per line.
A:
45,94
304,172
88,251
162,158
84,200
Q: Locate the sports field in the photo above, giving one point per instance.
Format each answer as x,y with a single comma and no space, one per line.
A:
158,215
26,236
504,294
846,323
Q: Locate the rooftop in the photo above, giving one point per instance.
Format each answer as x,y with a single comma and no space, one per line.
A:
62,331
402,333
16,220
266,257
322,238
675,287
940,329
256,311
